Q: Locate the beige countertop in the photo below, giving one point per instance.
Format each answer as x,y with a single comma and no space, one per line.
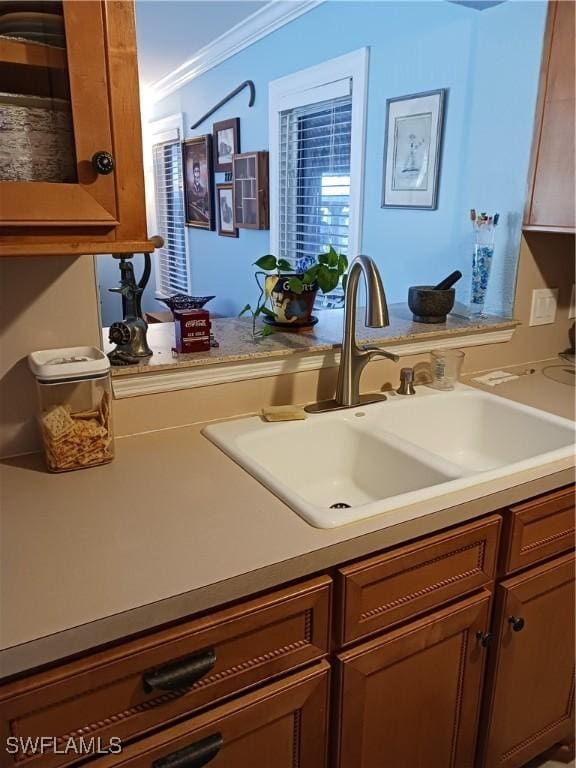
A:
173,527
234,336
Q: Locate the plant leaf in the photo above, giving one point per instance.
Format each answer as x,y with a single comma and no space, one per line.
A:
284,265
310,275
342,263
333,258
324,278
344,281
268,312
267,330
296,284
267,262
324,258
245,309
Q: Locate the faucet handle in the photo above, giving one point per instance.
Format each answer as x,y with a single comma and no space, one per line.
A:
375,351
406,382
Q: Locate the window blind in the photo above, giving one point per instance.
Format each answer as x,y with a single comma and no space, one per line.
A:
173,268
314,176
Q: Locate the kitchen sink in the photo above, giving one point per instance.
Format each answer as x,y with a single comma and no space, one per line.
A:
340,467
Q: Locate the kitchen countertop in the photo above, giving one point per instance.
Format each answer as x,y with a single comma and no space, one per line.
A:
173,527
234,336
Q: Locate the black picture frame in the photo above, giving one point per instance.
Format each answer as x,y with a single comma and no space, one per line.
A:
225,134
226,226
198,187
412,111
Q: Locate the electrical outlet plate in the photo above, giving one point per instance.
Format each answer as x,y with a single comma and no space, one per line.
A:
544,306
572,309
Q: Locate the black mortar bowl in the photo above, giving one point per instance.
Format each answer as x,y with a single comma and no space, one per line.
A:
429,305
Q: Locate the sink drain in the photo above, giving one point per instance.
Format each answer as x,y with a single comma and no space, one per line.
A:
340,505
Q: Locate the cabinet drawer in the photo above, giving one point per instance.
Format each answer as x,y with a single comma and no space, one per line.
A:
400,584
147,682
283,725
539,529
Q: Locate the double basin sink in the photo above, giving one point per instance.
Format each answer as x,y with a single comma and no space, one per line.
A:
396,457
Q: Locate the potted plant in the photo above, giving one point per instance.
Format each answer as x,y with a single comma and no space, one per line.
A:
291,295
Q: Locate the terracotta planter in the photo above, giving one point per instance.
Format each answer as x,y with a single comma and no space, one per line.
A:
289,307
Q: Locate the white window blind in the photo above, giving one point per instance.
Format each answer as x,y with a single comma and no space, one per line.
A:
314,179
173,273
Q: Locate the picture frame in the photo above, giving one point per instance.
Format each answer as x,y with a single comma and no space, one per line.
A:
226,142
413,140
225,206
198,182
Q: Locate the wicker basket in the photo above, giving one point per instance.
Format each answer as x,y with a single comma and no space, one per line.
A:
36,139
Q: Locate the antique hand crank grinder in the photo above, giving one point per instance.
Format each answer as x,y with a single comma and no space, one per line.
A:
129,334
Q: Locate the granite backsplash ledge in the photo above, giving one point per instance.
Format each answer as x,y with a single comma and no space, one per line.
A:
236,343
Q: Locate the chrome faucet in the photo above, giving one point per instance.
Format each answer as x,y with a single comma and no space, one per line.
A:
354,358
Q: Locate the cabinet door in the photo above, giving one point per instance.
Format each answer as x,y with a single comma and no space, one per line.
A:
411,697
57,116
283,725
552,195
531,689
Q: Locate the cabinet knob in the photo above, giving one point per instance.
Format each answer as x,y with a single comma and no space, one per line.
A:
103,163
517,623
486,638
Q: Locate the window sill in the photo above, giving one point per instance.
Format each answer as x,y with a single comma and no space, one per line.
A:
239,357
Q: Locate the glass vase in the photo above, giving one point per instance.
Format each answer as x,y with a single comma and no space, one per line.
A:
481,265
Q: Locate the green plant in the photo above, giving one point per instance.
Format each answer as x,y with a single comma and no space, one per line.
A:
326,273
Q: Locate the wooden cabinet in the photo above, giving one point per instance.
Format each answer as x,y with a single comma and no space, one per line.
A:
538,529
411,697
247,685
407,581
71,178
550,205
283,725
529,703
251,207
127,691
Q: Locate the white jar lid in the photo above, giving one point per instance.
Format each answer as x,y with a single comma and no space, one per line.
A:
68,363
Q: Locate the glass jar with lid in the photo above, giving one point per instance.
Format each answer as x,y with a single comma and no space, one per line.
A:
74,390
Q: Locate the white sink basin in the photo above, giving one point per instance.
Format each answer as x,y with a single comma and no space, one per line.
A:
382,458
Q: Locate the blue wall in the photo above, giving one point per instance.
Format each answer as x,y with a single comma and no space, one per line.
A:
488,60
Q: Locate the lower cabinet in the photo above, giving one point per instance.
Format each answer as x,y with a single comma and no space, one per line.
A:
530,693
411,697
283,725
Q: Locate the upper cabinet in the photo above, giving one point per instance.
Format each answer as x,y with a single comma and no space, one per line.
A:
550,205
71,177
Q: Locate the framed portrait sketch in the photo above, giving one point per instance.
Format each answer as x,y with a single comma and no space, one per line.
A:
198,185
226,139
412,150
225,205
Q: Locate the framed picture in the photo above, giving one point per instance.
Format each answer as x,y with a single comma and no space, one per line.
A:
412,150
226,137
225,205
198,185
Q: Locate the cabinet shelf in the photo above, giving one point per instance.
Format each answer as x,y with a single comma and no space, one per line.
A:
31,54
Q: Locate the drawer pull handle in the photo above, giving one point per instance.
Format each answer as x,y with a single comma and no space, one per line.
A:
486,638
517,623
181,673
194,756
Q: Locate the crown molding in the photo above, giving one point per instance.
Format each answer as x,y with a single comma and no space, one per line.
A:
221,373
268,19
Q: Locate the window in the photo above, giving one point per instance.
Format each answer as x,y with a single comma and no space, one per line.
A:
316,162
172,260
